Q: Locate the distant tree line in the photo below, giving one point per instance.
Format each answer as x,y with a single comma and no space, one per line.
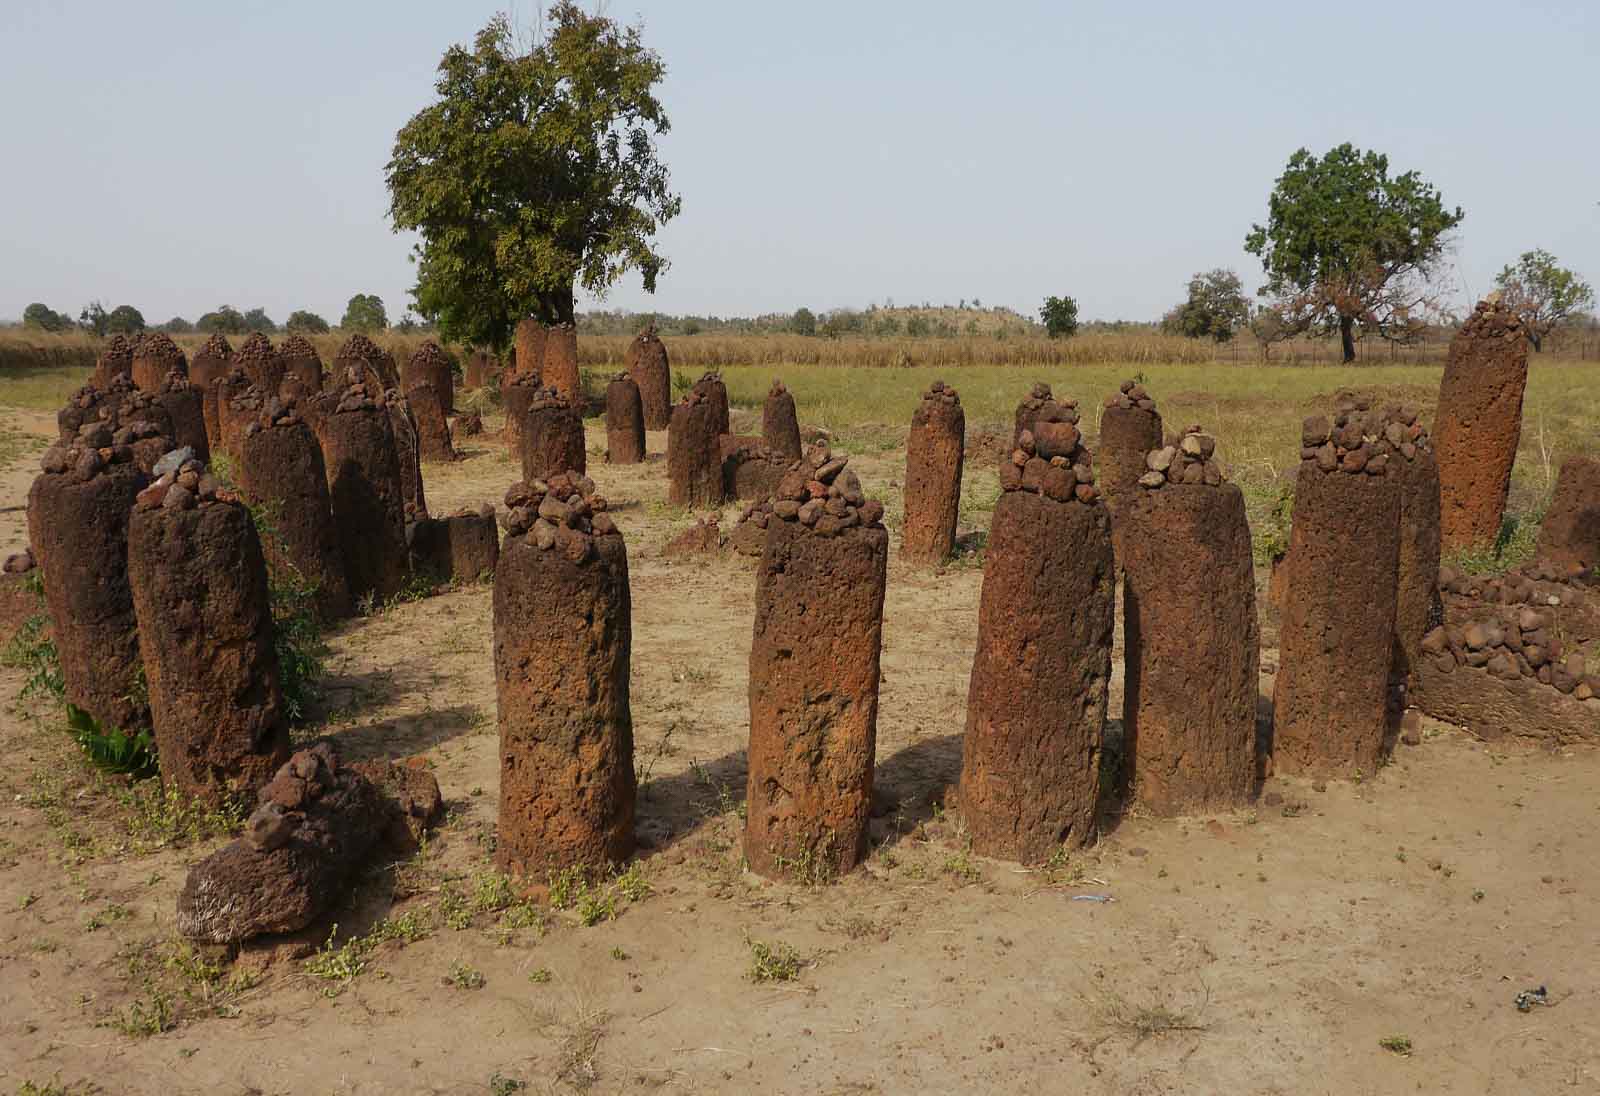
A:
365,312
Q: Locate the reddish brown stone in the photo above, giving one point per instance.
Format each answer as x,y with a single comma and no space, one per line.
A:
562,642
1036,706
780,424
933,477
1493,707
184,408
1337,626
430,365
715,392
624,422
647,364
481,365
551,438
1127,435
238,402
694,455
1479,424
205,633
560,362
749,469
702,538
1417,590
366,498
374,366
433,429
814,697
115,360
1192,647
154,357
281,470
408,453
78,527
528,360
302,368
1570,533
261,362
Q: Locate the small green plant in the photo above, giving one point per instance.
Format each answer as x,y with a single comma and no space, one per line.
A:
1512,546
1272,535
960,866
505,1086
32,650
632,883
595,906
54,1087
619,955
112,748
811,866
464,977
1396,1044
339,965
539,976
151,1014
160,817
773,963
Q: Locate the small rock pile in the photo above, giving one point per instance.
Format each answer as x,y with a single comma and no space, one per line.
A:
1041,406
97,445
1191,461
1051,460
116,360
182,483
1130,394
1362,439
357,393
1519,587
1512,644
302,367
275,411
360,352
154,357
563,512
260,361
821,493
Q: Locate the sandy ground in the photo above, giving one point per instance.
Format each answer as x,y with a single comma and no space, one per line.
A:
1264,951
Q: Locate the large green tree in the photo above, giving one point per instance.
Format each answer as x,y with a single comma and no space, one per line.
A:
1347,244
1214,309
224,320
1544,293
44,318
125,320
301,320
257,320
365,312
535,171
1060,316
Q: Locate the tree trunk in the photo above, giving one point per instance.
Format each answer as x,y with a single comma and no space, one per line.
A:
1347,337
1535,339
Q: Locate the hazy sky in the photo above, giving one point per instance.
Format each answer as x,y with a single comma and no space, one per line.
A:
178,155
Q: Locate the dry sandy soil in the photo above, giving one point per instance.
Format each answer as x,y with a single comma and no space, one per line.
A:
1265,951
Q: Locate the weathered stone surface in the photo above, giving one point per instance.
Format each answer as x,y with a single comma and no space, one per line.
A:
624,421
1036,706
261,363
1336,637
365,496
238,402
375,368
780,423
115,360
516,396
480,367
463,547
1479,424
529,350
814,696
647,364
715,392
694,454
430,365
560,368
206,371
184,408
702,538
408,453
1492,707
1569,536
154,356
933,476
749,469
551,438
1193,647
281,470
1128,433
1417,591
199,585
433,429
302,368
562,641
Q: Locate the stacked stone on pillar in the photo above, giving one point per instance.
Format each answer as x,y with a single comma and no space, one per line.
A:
646,362
780,424
1039,402
207,370
1479,423
559,367
281,470
934,454
364,490
115,360
1036,705
694,453
1569,536
1130,429
624,421
199,585
78,528
711,386
1193,647
184,407
93,404
261,361
375,368
154,357
814,671
408,454
562,649
239,401
528,360
430,365
551,436
302,368
1336,641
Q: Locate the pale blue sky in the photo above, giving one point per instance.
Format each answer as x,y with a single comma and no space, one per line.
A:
176,154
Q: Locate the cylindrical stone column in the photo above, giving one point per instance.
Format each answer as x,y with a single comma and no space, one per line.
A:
430,365
647,364
281,470
184,407
562,642
560,363
528,358
1412,465
814,678
694,454
207,370
716,393
480,364
1479,424
78,527
1337,632
1193,648
624,421
205,632
433,428
1130,428
237,403
1036,705
934,453
154,357
261,363
1569,536
516,396
374,365
365,495
552,438
408,454
302,368
780,425
115,360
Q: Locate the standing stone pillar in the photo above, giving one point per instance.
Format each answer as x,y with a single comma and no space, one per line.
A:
184,407
1569,536
716,393
624,421
116,360
302,368
694,454
374,365
1036,706
260,361
1130,428
1412,465
430,365
934,452
205,632
433,428
647,363
154,357
814,673
1193,648
562,643
78,527
281,470
237,403
1479,423
364,492
780,425
560,367
408,454
207,370
551,438
477,369
529,350
1336,639
516,396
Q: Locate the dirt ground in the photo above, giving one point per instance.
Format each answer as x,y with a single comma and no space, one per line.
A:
1271,950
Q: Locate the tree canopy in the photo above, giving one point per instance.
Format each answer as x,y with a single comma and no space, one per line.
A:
535,171
125,320
1214,309
257,320
1544,293
302,321
224,320
1346,243
44,318
365,312
1060,316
